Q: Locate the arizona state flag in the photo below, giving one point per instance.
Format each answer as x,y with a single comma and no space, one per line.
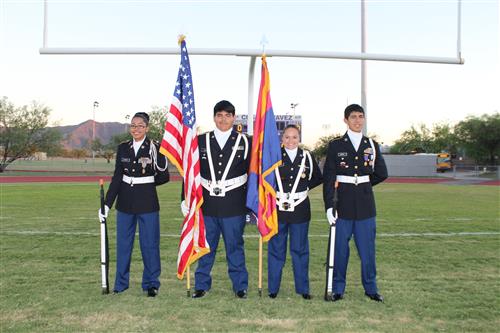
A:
266,156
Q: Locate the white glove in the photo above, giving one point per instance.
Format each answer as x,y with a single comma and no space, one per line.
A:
329,216
184,208
104,216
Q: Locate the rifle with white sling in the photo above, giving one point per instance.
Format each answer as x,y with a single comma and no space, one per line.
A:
330,256
104,246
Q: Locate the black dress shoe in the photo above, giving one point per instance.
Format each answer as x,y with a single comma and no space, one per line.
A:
306,296
241,294
273,295
337,297
199,293
116,292
152,292
375,297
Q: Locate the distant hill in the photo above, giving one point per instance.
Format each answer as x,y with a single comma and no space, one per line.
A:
78,136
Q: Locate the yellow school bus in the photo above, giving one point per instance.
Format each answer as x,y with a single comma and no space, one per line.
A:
443,162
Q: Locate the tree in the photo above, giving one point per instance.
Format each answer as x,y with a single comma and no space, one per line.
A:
23,132
414,140
79,153
157,118
96,146
444,139
321,147
480,137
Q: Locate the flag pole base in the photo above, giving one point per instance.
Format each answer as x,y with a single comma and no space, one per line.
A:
188,293
105,291
260,292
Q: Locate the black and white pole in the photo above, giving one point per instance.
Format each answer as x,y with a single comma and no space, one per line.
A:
330,258
104,246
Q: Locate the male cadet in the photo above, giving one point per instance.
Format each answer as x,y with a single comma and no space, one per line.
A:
355,162
224,162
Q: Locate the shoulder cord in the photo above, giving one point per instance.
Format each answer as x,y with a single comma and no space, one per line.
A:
154,156
374,153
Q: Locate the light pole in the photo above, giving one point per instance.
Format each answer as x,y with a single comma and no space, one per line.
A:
293,106
96,105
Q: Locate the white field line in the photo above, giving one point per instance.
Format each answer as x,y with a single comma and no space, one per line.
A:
456,219
403,234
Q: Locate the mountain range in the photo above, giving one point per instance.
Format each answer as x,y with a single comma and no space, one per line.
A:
78,136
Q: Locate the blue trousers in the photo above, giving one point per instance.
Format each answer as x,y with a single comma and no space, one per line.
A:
149,239
299,250
364,237
232,233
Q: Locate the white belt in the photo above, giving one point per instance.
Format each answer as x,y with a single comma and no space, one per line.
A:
353,180
219,188
287,202
138,180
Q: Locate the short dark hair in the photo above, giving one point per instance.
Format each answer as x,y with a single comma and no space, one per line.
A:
142,115
353,108
224,106
292,126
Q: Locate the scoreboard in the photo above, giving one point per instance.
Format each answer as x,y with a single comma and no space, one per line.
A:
282,121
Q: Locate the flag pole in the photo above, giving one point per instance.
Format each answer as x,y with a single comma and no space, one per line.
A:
188,281
260,266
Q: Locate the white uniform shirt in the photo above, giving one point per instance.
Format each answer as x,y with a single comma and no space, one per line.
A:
292,153
137,145
222,137
355,138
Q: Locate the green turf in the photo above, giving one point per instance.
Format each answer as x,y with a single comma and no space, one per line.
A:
50,272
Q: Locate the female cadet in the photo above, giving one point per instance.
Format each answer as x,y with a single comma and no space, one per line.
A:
138,170
298,173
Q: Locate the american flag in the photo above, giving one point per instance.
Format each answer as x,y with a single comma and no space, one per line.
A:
180,145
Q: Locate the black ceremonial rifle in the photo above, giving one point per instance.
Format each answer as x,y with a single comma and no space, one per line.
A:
330,256
104,246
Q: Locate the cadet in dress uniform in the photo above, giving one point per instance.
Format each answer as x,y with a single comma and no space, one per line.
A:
298,173
224,162
139,169
356,163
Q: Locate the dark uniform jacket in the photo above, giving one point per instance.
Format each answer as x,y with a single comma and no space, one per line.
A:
234,202
137,198
356,202
288,172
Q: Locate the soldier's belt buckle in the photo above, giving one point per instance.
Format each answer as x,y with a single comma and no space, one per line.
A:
356,180
286,205
217,191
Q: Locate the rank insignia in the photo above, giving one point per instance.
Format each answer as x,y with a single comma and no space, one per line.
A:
303,175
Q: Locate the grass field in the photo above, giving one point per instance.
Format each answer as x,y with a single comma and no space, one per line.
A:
438,251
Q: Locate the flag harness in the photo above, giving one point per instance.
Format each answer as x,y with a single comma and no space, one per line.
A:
218,188
288,201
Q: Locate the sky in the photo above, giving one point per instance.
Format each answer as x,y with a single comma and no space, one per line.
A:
399,94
